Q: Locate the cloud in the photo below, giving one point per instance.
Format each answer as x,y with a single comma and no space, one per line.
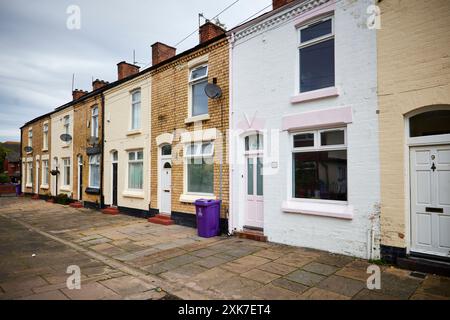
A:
39,54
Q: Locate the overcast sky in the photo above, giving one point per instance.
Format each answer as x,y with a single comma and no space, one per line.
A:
39,54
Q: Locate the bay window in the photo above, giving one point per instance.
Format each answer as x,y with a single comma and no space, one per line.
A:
316,53
319,163
136,170
136,110
200,168
198,80
94,171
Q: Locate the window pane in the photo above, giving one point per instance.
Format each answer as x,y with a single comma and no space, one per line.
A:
115,156
140,155
94,170
132,156
320,175
254,143
317,66
250,178
259,178
136,116
136,96
191,149
200,177
199,72
166,150
331,138
316,30
199,99
207,148
135,175
430,123
304,140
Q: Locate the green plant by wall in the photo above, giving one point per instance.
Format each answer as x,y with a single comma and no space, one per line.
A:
4,178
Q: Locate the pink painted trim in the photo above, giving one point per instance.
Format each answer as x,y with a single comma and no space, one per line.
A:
314,119
315,95
320,10
319,209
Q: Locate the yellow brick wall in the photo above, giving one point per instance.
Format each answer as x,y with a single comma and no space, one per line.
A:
82,133
413,72
169,111
38,142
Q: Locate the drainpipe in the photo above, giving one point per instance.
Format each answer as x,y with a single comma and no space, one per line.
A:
230,142
102,197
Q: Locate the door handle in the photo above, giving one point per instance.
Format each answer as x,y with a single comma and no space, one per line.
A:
434,210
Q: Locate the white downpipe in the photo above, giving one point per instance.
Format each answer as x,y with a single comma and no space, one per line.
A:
230,142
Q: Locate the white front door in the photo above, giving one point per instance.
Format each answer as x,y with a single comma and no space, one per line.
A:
430,200
254,216
166,187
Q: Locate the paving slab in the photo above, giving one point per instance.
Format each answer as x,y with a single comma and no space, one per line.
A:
277,268
260,276
343,286
304,277
290,285
127,285
320,268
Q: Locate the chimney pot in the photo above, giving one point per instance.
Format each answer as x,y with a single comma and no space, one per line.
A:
209,31
125,70
162,52
97,84
77,94
279,3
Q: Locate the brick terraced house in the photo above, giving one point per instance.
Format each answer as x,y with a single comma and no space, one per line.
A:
36,156
189,129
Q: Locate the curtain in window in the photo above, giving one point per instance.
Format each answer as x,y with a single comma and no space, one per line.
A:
135,175
94,171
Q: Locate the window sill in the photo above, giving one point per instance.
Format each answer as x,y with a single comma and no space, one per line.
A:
44,186
29,185
315,95
339,211
134,194
65,146
191,198
202,117
65,189
134,133
44,150
93,190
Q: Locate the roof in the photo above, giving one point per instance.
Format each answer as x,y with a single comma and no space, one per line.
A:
13,157
119,82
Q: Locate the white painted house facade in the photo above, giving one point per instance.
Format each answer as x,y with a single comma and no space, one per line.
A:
304,149
126,174
62,152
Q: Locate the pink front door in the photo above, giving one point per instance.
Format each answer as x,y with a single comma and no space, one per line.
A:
255,194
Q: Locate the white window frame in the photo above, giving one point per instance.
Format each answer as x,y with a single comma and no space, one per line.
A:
64,165
66,124
198,155
193,82
30,138
136,152
29,183
133,104
316,148
94,160
302,45
45,173
45,136
94,120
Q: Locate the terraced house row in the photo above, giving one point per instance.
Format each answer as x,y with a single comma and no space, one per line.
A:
314,124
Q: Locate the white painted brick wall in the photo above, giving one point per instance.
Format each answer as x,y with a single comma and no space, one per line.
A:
264,73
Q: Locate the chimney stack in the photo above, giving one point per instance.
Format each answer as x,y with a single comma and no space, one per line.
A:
124,70
77,94
97,84
162,52
279,3
209,31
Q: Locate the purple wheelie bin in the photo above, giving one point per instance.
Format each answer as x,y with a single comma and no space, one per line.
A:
208,217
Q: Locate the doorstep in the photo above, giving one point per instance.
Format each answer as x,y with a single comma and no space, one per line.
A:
113,211
425,264
161,220
251,234
77,205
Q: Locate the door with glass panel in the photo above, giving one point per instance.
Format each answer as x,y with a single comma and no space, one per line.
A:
254,215
166,180
115,172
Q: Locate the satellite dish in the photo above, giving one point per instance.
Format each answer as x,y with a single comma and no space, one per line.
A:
213,91
28,149
66,137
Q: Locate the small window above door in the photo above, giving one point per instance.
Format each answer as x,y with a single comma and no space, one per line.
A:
254,143
430,124
166,150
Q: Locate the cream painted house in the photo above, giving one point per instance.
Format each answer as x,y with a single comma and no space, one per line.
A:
414,103
62,152
126,158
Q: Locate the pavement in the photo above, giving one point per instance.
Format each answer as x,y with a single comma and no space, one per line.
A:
122,257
